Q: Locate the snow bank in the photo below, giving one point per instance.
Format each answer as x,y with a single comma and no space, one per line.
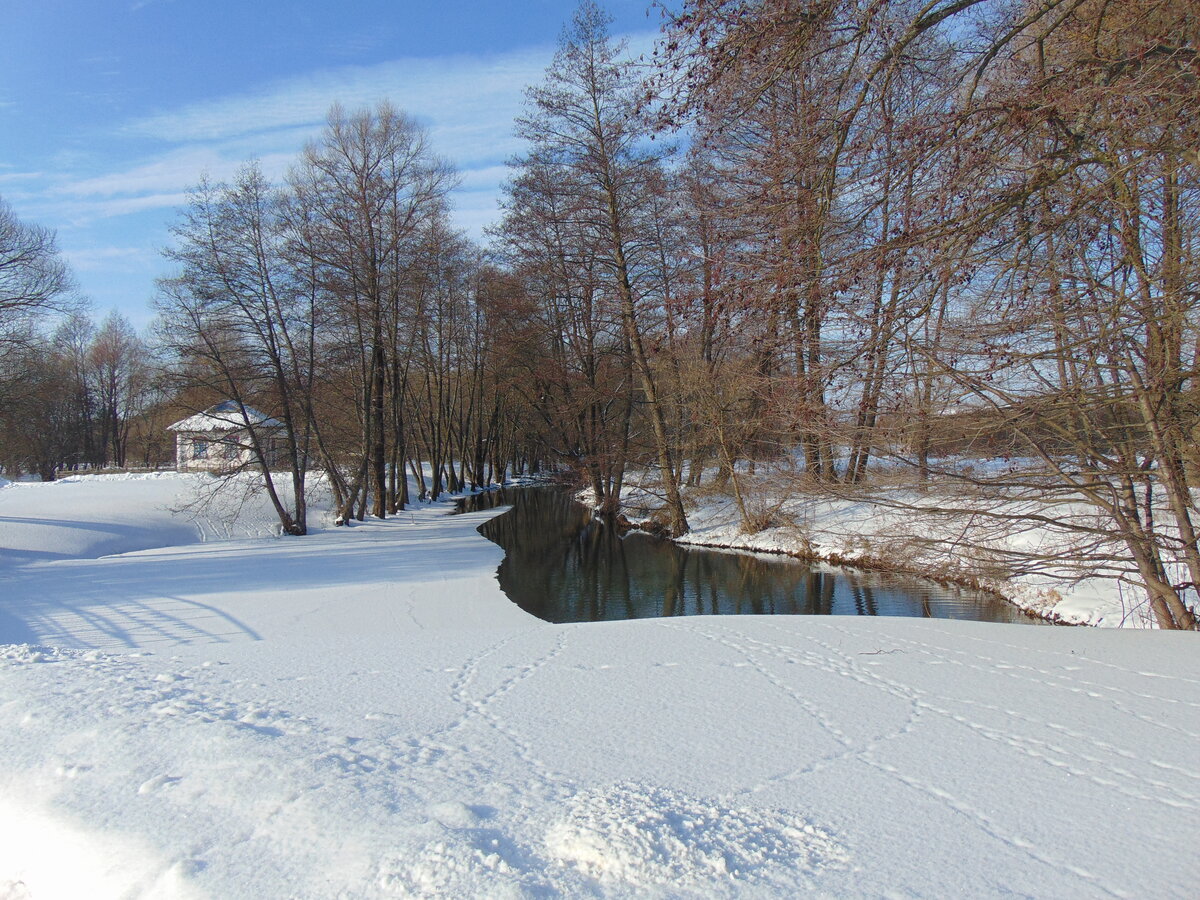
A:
89,516
362,713
932,544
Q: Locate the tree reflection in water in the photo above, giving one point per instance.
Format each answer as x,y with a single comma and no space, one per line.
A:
563,565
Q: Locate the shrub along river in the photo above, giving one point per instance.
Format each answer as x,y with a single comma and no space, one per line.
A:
564,565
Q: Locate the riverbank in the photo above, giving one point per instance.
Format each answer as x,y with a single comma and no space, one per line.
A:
361,712
922,534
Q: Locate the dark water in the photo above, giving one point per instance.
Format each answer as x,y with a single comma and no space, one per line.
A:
562,565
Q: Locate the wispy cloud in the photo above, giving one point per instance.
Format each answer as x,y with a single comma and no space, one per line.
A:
484,178
474,211
111,258
469,102
175,171
73,212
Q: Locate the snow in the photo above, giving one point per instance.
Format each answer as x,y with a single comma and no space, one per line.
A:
224,416
361,713
914,532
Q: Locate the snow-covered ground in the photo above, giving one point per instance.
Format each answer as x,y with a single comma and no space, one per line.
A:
361,713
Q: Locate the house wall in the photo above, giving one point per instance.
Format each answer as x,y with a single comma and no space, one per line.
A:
221,451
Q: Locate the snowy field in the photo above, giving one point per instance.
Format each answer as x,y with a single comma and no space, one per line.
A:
192,710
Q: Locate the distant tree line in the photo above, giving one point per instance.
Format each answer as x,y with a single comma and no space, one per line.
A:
73,394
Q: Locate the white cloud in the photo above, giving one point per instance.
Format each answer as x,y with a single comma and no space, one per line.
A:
474,220
452,93
82,213
110,259
468,102
106,209
485,178
176,171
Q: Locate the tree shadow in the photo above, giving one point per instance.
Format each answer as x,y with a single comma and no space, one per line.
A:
187,595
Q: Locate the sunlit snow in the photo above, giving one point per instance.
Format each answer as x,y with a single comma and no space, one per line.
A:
206,710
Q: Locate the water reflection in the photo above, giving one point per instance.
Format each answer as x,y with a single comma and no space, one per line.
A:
564,566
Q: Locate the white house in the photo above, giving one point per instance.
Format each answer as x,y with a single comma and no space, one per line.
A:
218,440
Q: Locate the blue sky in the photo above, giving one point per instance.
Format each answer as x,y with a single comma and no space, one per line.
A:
111,109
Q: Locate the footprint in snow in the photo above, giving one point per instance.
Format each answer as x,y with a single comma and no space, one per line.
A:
158,782
454,814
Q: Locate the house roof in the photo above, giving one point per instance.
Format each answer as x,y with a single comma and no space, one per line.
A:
225,416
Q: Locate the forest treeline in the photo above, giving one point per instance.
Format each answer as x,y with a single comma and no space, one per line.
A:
854,240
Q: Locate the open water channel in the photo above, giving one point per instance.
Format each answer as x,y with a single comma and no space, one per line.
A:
564,565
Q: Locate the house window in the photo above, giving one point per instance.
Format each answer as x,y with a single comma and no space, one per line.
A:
230,449
199,449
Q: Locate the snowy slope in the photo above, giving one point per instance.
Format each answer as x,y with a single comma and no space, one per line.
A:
361,713
87,516
78,516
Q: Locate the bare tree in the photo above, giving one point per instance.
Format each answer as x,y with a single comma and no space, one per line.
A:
121,379
584,121
244,325
568,342
33,276
37,423
994,206
1084,343
72,341
360,197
